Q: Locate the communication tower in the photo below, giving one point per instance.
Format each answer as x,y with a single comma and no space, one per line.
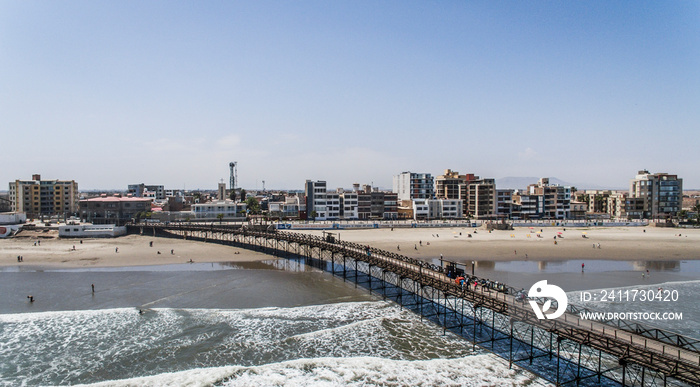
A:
233,166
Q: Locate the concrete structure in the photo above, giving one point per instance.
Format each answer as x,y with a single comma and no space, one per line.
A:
221,192
481,198
315,192
451,185
410,186
428,209
287,209
38,197
556,199
212,210
662,194
146,191
13,218
349,205
113,209
91,231
504,203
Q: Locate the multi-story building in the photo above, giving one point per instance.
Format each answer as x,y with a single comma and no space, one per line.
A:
427,209
315,192
481,198
333,206
38,197
526,205
222,209
661,193
451,185
151,191
504,203
556,199
289,208
349,205
410,186
113,209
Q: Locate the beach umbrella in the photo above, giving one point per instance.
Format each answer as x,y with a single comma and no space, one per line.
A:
584,233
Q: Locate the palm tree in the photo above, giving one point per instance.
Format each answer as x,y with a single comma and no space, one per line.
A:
221,217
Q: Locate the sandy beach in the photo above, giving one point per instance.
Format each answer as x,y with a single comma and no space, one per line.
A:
621,243
616,243
130,250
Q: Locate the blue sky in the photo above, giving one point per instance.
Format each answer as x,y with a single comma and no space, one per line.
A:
113,93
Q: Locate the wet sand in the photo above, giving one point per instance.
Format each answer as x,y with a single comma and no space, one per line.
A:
130,250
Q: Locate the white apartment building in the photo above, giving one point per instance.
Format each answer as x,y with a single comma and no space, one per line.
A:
409,186
437,209
315,192
349,205
211,210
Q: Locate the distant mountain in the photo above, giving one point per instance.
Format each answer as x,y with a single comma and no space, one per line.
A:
522,183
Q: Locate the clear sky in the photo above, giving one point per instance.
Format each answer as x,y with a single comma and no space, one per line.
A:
169,92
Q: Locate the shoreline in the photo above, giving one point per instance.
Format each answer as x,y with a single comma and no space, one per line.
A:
456,244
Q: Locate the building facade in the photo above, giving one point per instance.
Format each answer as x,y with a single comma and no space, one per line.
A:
661,193
38,197
113,209
142,190
222,209
315,192
409,185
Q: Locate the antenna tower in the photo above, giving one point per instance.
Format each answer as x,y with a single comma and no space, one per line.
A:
233,166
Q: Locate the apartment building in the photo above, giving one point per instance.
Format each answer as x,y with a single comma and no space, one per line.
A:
426,209
226,209
504,203
481,198
409,185
38,197
451,185
349,205
556,199
315,192
661,193
156,192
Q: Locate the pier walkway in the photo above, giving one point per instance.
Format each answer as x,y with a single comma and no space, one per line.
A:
567,351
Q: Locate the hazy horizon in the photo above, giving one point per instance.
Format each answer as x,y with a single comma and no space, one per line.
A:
116,93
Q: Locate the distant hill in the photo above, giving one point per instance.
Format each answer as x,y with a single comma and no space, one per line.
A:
522,182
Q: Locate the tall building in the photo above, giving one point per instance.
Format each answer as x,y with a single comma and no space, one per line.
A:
38,197
661,193
410,186
481,198
556,199
451,185
315,192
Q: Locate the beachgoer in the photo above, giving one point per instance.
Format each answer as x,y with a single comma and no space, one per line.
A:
172,251
81,241
31,298
398,247
598,245
93,288
116,249
158,251
420,243
583,265
415,247
150,244
525,256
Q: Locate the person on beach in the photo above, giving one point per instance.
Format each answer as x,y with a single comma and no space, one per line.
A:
583,265
172,252
93,288
116,249
415,247
31,298
398,248
420,243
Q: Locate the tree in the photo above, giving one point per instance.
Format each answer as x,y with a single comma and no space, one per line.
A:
243,194
253,205
696,208
314,214
232,195
220,217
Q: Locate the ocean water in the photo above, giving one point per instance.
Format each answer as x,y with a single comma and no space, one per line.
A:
226,325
